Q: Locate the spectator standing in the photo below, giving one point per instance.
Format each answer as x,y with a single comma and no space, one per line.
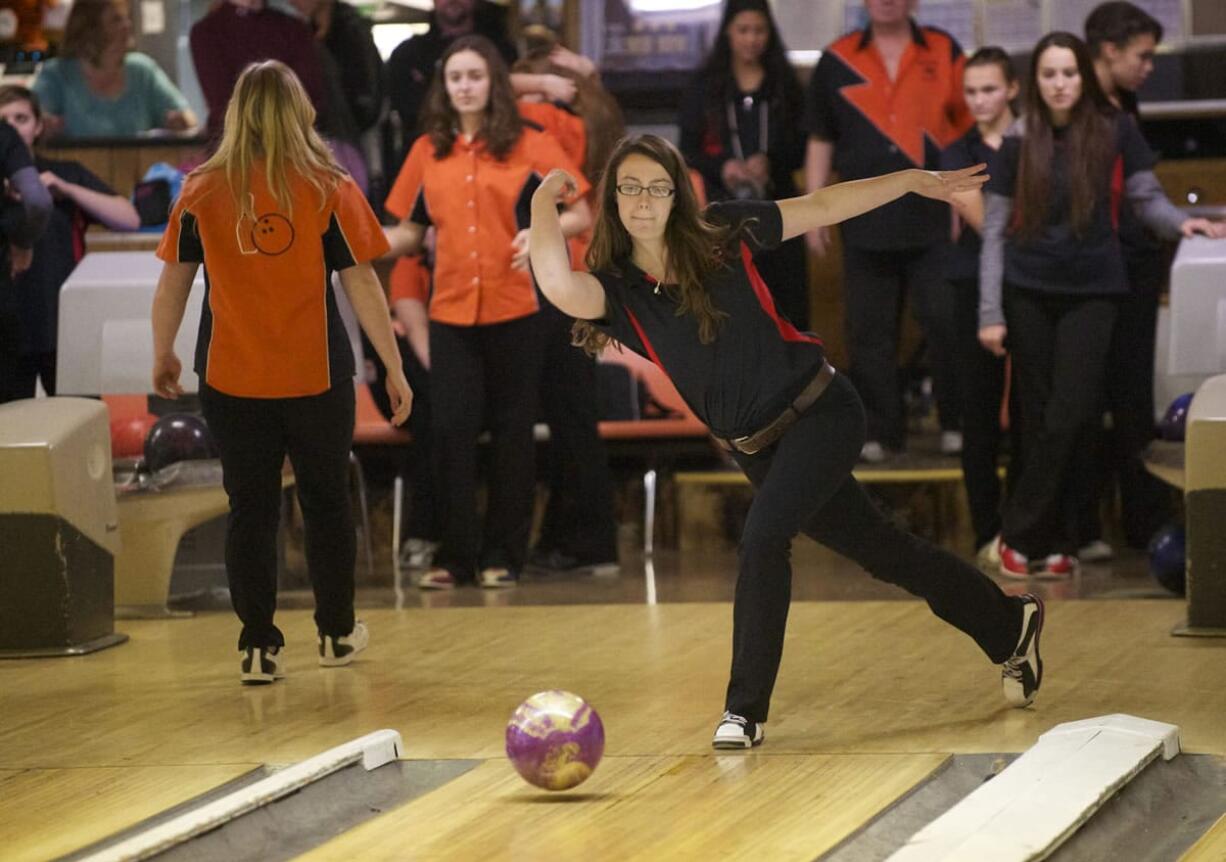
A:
1122,39
883,99
471,176
99,87
740,126
990,85
81,199
1051,279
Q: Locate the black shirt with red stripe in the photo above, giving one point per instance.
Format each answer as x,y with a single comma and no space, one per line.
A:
757,364
1058,260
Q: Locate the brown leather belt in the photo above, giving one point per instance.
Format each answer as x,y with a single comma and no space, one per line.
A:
752,444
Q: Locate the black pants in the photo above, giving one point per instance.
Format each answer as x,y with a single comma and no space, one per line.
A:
254,435
982,379
804,484
1060,346
579,515
19,372
875,283
485,377
1145,502
786,272
421,519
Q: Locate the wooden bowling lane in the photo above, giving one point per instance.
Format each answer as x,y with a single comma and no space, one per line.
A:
862,682
1211,847
47,813
730,806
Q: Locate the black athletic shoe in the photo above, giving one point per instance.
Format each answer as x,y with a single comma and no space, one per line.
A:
260,665
737,732
1022,673
339,651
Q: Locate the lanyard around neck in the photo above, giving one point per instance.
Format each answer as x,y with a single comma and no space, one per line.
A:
734,128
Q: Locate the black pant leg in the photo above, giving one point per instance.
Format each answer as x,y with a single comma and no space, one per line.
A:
1145,502
792,480
319,438
17,374
982,389
1060,347
251,439
805,484
873,292
512,354
936,309
457,394
579,515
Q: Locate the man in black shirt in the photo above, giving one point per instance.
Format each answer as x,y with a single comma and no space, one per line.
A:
1122,39
23,217
882,99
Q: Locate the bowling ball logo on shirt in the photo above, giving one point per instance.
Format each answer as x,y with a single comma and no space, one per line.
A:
273,234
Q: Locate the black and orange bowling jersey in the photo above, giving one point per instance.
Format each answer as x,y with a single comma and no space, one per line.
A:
478,204
270,327
878,125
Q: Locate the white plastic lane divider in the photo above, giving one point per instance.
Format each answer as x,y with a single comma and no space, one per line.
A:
1043,797
373,750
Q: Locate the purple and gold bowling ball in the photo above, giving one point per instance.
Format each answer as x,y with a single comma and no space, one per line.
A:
555,740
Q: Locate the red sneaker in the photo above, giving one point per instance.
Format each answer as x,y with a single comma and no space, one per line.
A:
1013,564
1059,566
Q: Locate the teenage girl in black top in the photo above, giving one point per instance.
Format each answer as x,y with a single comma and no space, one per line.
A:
678,285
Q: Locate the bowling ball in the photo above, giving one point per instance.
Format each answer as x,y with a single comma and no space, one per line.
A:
555,740
1168,557
128,435
1175,420
178,437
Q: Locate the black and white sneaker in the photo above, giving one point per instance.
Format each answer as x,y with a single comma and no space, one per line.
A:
1022,673
260,665
737,732
339,651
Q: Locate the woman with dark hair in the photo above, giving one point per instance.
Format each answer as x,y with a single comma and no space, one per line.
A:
740,127
99,87
1051,279
471,175
678,285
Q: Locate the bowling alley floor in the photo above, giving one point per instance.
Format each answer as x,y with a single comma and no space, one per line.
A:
875,695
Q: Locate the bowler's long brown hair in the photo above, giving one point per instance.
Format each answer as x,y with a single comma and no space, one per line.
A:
696,248
1089,143
501,127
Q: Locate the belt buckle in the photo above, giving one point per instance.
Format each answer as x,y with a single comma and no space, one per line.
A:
742,445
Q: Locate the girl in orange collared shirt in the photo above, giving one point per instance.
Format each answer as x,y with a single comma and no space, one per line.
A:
471,176
270,217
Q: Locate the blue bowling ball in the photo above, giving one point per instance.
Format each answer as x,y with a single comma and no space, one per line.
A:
1175,420
1168,557
178,437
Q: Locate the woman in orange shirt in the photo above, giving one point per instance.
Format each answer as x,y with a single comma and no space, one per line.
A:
271,216
471,176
